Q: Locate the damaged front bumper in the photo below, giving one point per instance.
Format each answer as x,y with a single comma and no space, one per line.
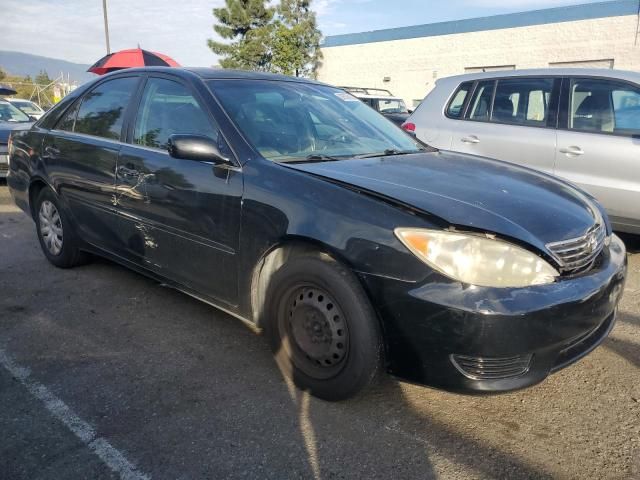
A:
479,339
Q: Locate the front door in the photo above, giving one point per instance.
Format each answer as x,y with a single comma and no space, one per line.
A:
181,218
599,145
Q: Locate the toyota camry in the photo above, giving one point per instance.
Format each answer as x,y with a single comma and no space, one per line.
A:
295,207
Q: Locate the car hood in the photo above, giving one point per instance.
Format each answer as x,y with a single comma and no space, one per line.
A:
7,127
472,192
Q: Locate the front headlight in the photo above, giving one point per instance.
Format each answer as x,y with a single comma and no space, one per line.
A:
477,260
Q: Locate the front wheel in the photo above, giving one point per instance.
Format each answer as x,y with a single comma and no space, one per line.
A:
322,328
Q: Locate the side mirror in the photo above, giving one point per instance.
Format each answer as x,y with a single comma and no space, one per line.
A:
32,118
410,111
195,147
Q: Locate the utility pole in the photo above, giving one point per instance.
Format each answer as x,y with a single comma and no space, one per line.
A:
106,25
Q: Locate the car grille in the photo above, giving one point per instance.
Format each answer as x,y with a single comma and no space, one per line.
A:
578,254
495,368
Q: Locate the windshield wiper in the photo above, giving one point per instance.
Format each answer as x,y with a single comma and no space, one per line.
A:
390,152
315,157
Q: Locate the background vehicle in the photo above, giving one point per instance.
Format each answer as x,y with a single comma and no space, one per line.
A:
297,208
11,118
383,101
579,124
27,106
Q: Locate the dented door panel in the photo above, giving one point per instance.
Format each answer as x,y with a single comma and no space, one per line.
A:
181,219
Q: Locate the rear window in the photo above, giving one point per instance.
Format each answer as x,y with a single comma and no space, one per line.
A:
480,105
456,105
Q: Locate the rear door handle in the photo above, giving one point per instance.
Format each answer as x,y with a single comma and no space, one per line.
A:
572,151
470,139
128,172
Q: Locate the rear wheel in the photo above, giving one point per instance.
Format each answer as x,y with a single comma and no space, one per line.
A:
322,328
57,239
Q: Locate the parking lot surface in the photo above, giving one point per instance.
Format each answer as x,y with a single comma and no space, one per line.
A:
107,374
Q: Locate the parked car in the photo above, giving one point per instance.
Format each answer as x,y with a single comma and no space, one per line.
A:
383,101
295,207
11,118
580,124
27,106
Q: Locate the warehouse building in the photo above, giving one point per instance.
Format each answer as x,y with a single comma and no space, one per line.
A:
408,60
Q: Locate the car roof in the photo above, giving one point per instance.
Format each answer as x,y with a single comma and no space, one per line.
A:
557,72
218,74
379,97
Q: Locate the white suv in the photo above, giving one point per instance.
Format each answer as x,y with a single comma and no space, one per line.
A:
579,124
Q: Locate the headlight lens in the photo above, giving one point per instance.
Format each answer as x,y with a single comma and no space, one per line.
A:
477,260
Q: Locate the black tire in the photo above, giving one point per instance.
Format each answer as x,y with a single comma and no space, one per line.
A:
322,328
69,254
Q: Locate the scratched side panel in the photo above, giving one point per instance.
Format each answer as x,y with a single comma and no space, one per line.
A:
181,219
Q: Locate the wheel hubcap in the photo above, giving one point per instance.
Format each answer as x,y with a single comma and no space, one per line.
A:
50,227
318,329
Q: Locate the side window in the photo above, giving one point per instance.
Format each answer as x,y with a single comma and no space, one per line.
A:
68,120
604,106
102,110
454,110
168,108
522,101
480,105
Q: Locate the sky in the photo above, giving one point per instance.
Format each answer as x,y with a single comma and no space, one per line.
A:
73,30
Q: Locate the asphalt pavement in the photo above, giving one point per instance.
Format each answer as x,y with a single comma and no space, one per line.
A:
107,374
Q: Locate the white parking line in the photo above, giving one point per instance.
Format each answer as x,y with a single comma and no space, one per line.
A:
112,457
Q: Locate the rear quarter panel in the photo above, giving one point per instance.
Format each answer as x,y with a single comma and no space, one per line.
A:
24,165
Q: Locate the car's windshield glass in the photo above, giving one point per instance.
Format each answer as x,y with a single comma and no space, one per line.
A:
391,106
9,113
292,121
27,107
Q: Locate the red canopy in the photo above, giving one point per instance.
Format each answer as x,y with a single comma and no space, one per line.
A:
135,57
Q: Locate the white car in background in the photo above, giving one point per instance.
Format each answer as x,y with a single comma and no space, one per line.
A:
393,108
27,106
579,124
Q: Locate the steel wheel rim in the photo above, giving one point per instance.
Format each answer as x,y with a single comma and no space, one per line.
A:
51,227
316,334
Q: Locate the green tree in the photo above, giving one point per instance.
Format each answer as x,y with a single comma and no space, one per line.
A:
247,26
296,39
3,74
42,78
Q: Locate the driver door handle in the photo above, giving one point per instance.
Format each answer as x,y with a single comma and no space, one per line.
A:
572,151
471,139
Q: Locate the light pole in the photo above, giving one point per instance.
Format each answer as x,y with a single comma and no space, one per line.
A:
106,25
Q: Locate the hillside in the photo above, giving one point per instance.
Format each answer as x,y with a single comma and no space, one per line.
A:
18,63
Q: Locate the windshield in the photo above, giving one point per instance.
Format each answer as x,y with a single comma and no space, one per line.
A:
27,107
391,106
291,121
9,113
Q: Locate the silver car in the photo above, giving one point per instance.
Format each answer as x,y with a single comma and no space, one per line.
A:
27,106
579,124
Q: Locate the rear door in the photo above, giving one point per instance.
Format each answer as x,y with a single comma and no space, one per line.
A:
510,119
181,218
81,156
599,144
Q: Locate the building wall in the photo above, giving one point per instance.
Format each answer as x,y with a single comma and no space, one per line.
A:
413,65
